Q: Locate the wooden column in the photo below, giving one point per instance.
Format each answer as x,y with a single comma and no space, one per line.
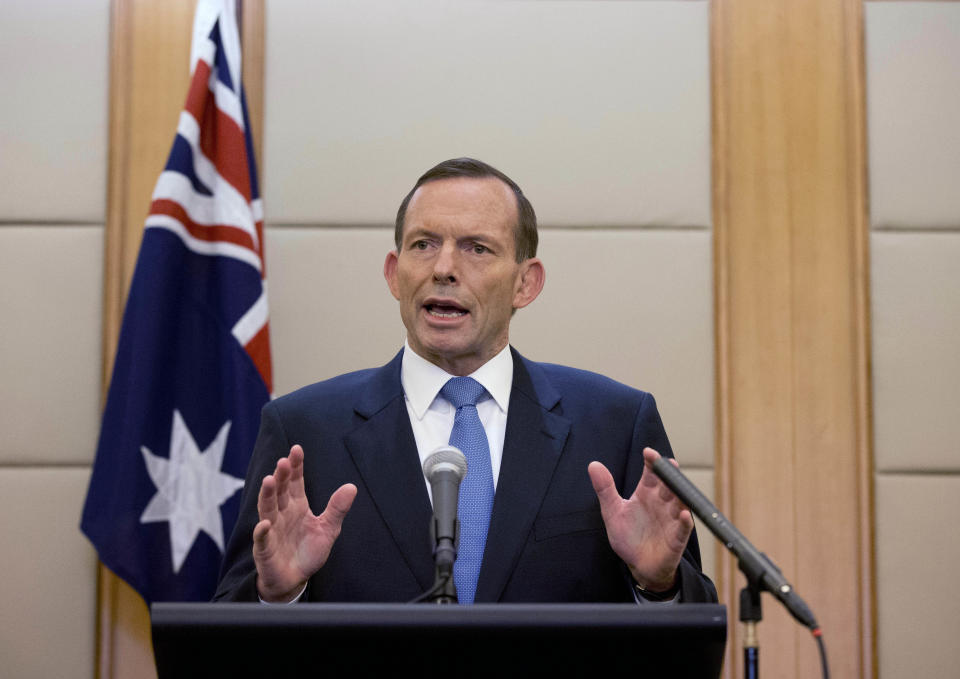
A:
149,76
792,325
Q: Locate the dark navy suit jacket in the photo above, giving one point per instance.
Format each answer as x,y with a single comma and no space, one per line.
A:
546,541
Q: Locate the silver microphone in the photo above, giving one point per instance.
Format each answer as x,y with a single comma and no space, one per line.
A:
444,469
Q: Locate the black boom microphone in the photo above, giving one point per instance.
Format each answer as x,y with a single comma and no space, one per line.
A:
755,565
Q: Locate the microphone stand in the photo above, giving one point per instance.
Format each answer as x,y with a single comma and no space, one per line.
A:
750,615
761,573
444,590
447,592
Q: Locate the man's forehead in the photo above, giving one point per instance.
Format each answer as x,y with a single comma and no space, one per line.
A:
454,195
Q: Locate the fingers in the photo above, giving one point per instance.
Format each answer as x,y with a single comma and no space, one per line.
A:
603,484
262,549
282,475
260,532
683,527
675,508
649,478
295,485
665,493
288,475
267,499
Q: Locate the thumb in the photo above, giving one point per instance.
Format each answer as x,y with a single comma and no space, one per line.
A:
340,503
603,484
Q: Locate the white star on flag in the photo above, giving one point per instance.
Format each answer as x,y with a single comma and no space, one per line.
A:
190,488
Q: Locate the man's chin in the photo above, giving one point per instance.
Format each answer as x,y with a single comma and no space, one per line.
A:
445,349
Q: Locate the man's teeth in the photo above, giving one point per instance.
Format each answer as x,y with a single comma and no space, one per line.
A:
445,313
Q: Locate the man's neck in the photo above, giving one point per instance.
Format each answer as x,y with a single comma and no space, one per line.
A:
459,366
422,379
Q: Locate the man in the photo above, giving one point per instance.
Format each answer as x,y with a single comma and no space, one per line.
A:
552,442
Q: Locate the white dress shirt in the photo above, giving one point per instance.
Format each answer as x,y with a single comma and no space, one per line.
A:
431,415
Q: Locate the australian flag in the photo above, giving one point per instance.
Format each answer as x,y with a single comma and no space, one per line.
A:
192,368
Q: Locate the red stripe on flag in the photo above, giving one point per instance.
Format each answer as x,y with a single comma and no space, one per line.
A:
221,139
199,91
223,143
216,232
231,155
263,260
259,350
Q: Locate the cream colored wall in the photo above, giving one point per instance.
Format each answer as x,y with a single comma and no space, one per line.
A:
53,143
913,104
599,110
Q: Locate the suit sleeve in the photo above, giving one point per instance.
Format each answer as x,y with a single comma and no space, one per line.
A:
695,587
238,574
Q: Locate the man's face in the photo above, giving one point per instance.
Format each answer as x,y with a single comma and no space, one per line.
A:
456,275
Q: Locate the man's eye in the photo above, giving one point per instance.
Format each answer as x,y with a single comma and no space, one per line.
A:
479,249
420,245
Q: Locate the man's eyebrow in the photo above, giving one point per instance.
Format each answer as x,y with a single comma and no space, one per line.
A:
484,239
420,232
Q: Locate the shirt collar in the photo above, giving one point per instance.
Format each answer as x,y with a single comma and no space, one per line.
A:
422,380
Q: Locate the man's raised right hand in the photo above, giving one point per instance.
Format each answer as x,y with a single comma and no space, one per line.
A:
290,544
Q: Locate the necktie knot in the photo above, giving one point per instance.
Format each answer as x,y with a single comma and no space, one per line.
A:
462,391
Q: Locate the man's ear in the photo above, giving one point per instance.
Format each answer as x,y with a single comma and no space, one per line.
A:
390,273
530,282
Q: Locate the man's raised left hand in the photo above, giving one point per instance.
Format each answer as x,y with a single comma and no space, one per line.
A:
648,530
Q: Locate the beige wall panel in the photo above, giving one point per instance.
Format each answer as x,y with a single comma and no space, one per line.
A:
918,592
913,105
49,579
53,122
50,300
599,110
330,309
636,306
703,479
916,362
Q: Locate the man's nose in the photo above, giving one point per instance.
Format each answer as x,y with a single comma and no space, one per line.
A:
445,265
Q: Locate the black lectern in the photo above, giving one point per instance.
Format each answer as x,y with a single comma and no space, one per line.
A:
489,640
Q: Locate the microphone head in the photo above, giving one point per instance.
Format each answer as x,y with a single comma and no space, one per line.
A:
447,459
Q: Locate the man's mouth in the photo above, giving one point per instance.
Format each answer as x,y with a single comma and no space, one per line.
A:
445,310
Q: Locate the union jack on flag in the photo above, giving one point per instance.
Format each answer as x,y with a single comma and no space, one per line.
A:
192,368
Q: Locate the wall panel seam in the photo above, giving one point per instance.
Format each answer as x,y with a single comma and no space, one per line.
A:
366,226
53,466
80,223
918,230
893,472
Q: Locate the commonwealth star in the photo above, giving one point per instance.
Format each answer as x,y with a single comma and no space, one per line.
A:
190,489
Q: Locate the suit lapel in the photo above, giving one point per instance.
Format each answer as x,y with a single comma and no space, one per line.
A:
532,445
385,453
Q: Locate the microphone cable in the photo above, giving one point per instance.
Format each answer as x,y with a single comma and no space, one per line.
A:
824,667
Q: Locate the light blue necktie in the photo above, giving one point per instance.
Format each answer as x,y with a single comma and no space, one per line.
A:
476,490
